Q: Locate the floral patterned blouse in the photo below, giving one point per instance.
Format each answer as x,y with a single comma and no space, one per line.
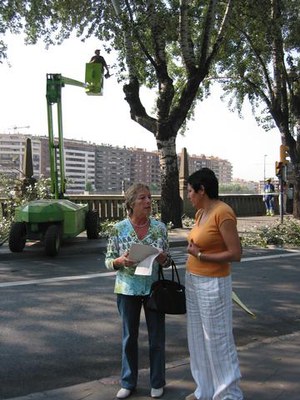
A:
120,240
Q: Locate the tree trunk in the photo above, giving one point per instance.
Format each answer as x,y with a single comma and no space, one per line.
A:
171,203
165,136
296,200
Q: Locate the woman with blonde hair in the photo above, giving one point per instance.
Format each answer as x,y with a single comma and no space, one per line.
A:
133,290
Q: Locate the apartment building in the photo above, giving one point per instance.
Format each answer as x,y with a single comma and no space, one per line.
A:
79,166
12,151
113,169
100,168
222,168
79,158
119,167
145,168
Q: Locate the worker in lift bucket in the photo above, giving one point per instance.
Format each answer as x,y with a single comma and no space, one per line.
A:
98,59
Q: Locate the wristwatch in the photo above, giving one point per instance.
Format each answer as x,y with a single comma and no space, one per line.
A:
199,255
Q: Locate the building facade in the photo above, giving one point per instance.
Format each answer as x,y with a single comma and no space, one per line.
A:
222,168
98,168
12,154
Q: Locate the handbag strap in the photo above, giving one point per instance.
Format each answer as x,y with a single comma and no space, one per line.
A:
174,272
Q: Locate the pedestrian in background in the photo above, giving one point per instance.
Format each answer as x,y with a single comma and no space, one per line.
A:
213,243
268,197
133,290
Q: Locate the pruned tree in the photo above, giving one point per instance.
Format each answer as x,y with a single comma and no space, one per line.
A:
167,46
261,62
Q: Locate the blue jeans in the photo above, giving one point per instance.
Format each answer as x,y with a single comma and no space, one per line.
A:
269,202
130,310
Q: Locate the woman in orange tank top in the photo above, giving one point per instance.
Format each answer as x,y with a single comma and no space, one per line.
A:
213,244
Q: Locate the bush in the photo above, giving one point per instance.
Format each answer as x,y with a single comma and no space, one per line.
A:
106,228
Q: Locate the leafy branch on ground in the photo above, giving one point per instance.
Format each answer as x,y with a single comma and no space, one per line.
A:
277,234
282,234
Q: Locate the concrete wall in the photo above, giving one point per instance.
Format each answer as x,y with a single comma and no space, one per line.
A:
244,205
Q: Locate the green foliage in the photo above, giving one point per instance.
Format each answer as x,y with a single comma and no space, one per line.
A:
263,36
106,228
153,40
273,234
89,187
235,188
285,234
168,46
187,222
4,228
15,195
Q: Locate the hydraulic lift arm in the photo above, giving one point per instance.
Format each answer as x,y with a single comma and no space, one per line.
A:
55,82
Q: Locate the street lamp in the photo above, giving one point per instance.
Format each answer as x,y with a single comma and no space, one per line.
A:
265,156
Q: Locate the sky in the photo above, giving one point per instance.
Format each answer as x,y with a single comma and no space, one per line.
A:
215,131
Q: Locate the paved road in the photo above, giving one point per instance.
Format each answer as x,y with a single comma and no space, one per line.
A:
59,325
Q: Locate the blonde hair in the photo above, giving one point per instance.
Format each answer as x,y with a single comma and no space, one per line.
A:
131,195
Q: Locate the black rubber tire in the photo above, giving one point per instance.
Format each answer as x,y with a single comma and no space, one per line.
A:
52,240
17,237
92,224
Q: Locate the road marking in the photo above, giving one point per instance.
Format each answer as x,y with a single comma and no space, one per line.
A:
57,279
291,253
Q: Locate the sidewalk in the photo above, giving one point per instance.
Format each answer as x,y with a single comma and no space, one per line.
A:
270,371
177,237
270,368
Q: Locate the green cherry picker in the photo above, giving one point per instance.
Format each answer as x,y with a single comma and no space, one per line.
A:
53,220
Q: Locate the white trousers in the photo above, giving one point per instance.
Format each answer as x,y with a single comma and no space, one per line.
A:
213,355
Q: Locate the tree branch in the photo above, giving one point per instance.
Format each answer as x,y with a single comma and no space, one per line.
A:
165,83
261,62
137,110
221,32
138,38
186,42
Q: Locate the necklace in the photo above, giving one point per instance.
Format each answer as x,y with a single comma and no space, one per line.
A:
139,226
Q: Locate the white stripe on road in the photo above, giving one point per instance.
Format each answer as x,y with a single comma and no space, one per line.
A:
291,253
58,279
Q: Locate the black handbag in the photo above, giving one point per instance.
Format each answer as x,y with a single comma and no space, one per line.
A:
167,296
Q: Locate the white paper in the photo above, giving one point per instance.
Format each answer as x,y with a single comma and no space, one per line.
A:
139,252
145,256
144,267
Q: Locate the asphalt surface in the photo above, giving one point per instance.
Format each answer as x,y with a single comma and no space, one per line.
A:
270,366
270,372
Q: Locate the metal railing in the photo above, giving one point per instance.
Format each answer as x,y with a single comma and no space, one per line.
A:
111,207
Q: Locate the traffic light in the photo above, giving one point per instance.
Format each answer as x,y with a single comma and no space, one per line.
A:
284,153
278,168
